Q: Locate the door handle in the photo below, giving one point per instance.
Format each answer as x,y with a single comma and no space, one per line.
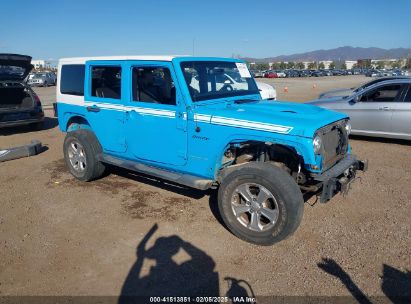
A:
93,109
383,108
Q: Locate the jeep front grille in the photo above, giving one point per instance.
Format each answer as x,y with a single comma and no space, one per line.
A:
335,143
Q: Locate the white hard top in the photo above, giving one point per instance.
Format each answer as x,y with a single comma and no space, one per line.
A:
143,57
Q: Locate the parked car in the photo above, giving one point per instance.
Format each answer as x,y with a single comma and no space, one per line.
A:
258,74
291,73
316,73
270,74
327,72
280,73
382,109
346,92
232,80
336,72
304,73
373,73
30,76
42,79
147,115
267,92
19,105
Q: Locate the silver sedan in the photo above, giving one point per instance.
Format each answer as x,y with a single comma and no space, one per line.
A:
380,110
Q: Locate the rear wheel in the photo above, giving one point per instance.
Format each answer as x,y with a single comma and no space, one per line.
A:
260,203
81,150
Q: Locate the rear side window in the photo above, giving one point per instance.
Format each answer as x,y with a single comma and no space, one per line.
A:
106,82
72,79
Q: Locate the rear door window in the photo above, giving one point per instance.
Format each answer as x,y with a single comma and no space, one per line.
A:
106,82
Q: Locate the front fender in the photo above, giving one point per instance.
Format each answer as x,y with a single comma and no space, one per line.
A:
301,145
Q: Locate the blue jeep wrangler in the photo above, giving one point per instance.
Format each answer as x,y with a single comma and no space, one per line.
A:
200,122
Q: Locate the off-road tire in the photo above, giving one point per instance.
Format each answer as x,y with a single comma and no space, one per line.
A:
92,148
285,190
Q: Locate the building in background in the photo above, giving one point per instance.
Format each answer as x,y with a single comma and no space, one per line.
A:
350,64
326,63
387,63
41,64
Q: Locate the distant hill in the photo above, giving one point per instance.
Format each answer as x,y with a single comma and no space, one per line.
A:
341,53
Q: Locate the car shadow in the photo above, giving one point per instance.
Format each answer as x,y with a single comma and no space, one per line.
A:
402,142
396,285
49,123
173,187
183,190
194,276
157,182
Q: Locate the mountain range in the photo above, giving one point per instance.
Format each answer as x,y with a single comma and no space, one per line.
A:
341,53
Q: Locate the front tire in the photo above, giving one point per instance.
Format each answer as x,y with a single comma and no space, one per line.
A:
81,150
260,203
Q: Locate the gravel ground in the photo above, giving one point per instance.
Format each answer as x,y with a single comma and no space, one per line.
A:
59,236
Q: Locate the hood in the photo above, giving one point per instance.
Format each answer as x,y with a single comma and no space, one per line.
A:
337,93
14,67
277,117
328,101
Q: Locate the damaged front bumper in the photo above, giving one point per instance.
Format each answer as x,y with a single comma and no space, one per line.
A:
339,177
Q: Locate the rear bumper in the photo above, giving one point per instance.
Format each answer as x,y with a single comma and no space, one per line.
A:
339,177
15,123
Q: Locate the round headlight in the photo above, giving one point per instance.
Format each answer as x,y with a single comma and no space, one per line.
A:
348,127
317,143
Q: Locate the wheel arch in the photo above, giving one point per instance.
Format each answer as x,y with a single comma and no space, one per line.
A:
77,122
292,151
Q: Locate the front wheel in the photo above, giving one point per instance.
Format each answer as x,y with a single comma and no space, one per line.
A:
81,150
260,203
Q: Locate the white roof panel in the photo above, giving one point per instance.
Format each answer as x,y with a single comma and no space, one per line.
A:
143,57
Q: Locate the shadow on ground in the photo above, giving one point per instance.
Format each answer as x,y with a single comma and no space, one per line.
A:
402,142
182,190
396,285
193,277
49,123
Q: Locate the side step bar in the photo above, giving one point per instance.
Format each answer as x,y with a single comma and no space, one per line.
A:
179,178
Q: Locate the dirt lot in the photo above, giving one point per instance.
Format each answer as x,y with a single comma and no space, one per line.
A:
59,236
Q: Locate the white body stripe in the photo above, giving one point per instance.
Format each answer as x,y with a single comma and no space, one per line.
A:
205,118
255,125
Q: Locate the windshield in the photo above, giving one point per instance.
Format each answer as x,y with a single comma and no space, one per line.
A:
39,76
217,79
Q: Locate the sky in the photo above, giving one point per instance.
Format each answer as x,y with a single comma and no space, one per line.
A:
55,29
